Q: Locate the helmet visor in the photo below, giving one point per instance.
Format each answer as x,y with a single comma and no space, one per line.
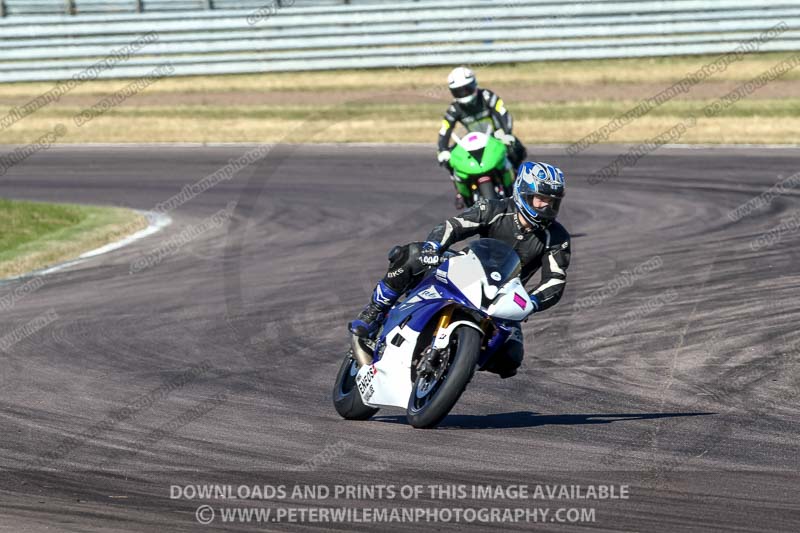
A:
464,90
547,189
544,205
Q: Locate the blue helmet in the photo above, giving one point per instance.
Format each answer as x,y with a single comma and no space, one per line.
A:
543,180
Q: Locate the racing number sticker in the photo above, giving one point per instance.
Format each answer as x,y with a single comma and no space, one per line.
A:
365,384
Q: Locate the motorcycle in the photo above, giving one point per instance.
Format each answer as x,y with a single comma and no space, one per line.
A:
454,321
480,167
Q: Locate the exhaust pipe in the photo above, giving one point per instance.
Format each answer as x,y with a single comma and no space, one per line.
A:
362,354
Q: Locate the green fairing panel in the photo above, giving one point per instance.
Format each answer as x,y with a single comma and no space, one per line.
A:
493,157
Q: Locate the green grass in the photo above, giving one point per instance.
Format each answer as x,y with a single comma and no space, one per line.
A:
36,235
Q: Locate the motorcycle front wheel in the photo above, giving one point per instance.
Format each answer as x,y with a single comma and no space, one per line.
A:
487,190
433,396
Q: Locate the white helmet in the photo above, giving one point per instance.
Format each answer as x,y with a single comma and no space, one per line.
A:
463,85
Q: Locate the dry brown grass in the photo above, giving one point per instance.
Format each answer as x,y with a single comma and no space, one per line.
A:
532,129
286,107
608,71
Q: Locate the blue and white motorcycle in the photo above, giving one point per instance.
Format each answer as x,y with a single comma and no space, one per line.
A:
430,344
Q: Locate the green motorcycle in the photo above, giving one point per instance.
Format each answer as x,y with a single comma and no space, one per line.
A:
480,168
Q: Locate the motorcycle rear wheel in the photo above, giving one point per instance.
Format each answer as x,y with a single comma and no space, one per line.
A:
346,398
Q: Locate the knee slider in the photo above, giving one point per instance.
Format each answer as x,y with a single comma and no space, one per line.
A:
397,256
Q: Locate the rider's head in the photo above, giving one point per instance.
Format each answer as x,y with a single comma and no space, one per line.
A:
463,85
538,191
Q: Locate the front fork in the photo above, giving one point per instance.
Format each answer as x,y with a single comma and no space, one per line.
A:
444,321
491,332
430,361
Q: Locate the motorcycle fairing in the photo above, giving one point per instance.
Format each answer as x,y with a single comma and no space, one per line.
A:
461,281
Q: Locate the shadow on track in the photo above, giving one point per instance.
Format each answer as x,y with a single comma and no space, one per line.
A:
526,419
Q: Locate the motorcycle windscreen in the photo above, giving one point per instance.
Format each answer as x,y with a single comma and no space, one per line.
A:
500,261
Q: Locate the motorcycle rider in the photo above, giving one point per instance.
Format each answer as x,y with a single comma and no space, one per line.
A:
476,109
526,222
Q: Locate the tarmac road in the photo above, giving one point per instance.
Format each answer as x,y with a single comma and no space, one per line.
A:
211,359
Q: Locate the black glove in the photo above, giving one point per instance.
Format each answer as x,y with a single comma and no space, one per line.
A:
534,307
429,255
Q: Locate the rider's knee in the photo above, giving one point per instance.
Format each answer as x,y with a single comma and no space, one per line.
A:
513,350
514,353
402,260
397,256
404,255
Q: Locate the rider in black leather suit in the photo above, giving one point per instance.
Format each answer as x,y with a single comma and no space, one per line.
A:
525,222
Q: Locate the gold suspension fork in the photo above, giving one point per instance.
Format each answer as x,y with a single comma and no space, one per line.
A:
444,321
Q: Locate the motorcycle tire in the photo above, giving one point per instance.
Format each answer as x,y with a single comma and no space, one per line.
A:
346,398
461,368
487,190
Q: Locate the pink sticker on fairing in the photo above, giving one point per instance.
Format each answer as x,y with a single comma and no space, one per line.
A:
520,301
472,137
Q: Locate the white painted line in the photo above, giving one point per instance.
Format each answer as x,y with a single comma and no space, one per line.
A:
156,222
734,146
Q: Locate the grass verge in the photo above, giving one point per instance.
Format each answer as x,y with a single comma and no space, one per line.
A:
551,102
37,235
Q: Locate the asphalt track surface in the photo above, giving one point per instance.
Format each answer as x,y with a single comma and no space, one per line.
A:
215,365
